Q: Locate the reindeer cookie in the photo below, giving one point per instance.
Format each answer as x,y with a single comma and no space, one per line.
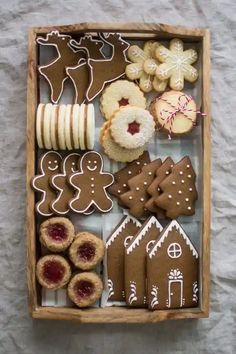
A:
55,71
79,74
48,166
91,183
59,182
107,70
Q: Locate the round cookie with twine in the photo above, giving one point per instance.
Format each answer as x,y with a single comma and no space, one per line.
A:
175,113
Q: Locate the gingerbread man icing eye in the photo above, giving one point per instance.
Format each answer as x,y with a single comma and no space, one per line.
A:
52,165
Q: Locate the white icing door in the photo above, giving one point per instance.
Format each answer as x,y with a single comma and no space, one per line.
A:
175,290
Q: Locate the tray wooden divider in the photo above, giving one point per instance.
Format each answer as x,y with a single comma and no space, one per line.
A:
118,314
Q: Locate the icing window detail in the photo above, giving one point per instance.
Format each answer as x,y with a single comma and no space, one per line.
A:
174,250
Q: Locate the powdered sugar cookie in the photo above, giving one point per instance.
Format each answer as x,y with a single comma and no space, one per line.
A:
61,127
39,125
175,112
132,127
121,93
118,153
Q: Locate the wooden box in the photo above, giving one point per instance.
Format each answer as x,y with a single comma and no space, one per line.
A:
138,31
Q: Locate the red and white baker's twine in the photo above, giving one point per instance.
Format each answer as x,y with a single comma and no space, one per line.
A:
181,108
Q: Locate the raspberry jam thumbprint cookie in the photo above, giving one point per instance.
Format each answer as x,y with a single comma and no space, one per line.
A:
85,289
86,251
53,272
56,234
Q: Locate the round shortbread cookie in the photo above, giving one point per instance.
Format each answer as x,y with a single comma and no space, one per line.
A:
116,152
46,126
68,127
121,93
103,129
132,127
178,105
54,126
90,130
75,125
82,126
39,125
61,127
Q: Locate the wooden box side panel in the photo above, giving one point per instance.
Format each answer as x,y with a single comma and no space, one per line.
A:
131,30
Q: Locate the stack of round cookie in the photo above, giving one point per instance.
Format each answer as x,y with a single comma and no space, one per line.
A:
65,127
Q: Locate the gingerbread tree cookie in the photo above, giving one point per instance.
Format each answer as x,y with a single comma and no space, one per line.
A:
172,270
49,165
127,227
179,190
91,183
135,262
176,64
55,71
154,189
143,67
122,176
137,196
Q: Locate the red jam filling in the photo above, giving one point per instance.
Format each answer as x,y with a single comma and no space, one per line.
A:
133,128
86,251
57,232
53,271
123,102
84,288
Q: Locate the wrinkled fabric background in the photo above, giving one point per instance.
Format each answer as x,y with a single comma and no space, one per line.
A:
19,333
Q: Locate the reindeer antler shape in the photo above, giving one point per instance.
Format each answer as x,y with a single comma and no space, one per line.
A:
55,71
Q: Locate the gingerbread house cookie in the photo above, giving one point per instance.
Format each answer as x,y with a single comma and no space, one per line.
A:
128,226
172,270
135,262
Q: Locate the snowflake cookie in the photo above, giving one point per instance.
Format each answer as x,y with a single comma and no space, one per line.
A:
176,64
144,66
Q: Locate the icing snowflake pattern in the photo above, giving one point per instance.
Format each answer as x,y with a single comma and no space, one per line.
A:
176,64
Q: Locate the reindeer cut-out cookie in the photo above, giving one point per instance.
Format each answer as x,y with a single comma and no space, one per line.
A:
91,183
79,74
59,182
55,71
107,70
49,165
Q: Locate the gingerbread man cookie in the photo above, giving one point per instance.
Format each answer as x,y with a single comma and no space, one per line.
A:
91,183
60,184
55,71
48,166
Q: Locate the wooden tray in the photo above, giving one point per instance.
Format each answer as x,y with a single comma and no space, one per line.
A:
139,31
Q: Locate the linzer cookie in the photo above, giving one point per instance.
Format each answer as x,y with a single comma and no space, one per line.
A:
91,183
119,94
69,165
56,234
178,190
132,127
53,271
55,71
137,196
49,165
175,112
154,189
127,227
122,176
103,71
87,251
176,64
135,262
172,270
79,74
